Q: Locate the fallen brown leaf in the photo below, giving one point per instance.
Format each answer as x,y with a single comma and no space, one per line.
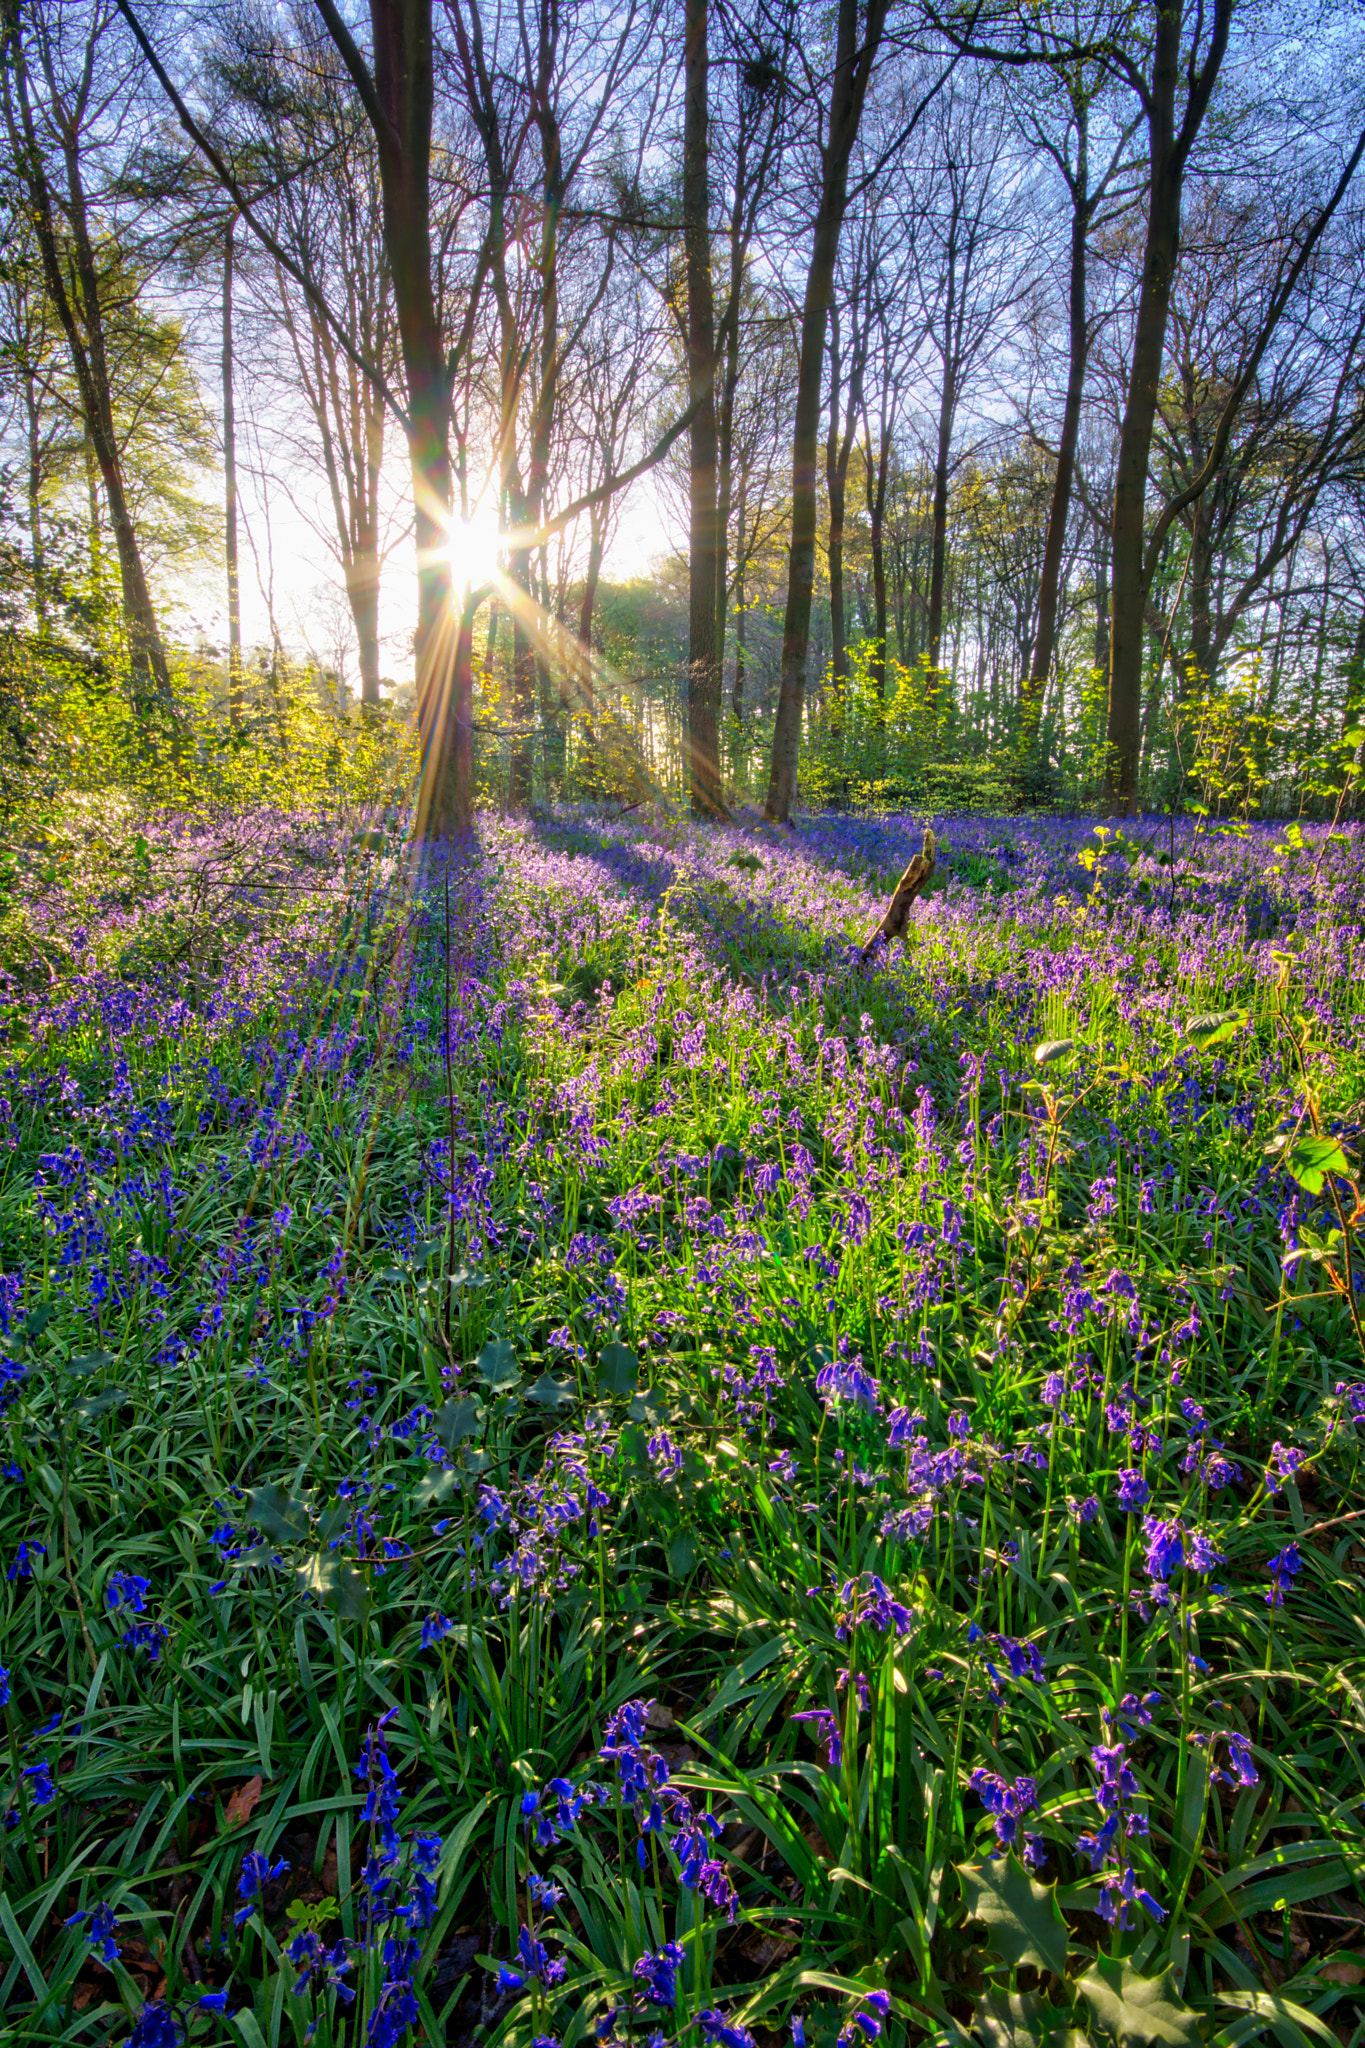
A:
1340,1970
243,1803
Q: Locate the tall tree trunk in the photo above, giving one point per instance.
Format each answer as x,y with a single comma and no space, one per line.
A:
705,574
848,90
403,94
836,477
234,590
35,499
1054,547
938,544
876,521
1169,155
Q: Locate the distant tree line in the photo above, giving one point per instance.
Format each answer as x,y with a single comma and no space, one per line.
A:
1001,365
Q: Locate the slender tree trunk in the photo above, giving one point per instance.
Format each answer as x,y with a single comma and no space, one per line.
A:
35,500
234,592
1169,155
1054,547
853,66
876,521
705,574
836,474
938,546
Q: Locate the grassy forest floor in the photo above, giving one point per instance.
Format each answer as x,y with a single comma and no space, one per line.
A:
578,1465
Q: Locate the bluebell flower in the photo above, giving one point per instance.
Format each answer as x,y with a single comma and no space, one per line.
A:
1007,1802
24,1558
156,2027
1285,1567
658,1975
38,1777
102,1930
827,1731
1133,1491
865,2022
798,2030
434,1629
256,1873
4,1686
721,2032
212,2001
509,1979
126,1589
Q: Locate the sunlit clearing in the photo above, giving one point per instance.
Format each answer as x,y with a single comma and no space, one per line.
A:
473,549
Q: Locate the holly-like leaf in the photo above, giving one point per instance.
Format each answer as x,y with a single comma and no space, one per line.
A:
682,1554
498,1363
1128,2007
88,1361
435,1487
647,1406
1023,1921
1214,1027
456,1420
1011,2019
549,1392
275,1510
1312,1159
91,1406
340,1587
618,1370
1051,1050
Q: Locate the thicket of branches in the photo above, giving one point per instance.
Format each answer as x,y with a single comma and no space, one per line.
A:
998,370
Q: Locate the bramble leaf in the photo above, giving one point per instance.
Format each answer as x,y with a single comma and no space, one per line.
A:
1312,1159
1214,1027
1052,1049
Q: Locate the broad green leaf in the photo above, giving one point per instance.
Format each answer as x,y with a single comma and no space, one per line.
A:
618,1370
1023,1921
498,1363
37,1321
91,1406
1214,1027
682,1554
88,1361
1133,2008
455,1420
435,1487
1010,2019
1312,1159
1053,1049
548,1392
647,1407
340,1587
276,1511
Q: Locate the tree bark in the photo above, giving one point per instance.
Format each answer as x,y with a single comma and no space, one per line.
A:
234,594
702,734
72,278
853,67
398,101
1169,154
1059,512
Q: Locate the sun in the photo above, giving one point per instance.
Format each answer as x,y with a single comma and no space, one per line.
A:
473,550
